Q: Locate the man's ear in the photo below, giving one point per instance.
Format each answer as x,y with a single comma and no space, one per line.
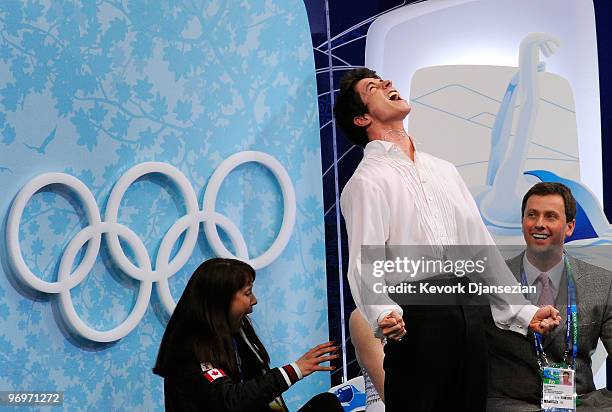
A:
570,228
362,120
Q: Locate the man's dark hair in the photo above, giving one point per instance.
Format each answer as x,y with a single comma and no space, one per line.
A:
553,188
349,105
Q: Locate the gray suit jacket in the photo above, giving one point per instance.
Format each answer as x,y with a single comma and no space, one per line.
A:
513,368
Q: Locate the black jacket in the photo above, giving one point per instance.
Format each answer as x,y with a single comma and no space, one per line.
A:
191,386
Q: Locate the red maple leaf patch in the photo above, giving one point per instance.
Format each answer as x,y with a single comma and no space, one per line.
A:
213,374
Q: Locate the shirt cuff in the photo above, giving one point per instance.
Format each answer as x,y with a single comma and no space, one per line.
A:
520,323
377,331
291,373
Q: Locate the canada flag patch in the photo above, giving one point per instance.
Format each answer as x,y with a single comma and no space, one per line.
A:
213,374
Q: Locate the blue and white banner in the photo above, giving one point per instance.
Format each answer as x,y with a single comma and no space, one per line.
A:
138,138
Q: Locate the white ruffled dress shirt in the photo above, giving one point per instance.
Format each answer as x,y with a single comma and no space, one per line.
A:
391,200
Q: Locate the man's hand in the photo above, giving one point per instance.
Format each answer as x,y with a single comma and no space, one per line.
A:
392,326
545,319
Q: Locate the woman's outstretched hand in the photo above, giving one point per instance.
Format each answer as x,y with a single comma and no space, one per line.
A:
311,361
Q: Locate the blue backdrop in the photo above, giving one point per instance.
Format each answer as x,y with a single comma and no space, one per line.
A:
91,88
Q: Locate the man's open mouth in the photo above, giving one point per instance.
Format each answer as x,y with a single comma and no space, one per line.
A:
394,95
540,236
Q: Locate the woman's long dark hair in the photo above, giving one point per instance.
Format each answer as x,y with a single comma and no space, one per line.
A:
199,329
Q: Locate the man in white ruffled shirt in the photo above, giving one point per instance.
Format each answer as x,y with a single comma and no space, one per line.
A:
400,196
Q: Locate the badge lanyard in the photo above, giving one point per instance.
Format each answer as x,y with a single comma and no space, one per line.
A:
571,321
238,360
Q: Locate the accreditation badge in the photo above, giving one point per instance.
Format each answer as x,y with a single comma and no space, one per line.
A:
558,389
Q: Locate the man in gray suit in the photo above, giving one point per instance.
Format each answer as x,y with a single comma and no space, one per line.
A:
549,212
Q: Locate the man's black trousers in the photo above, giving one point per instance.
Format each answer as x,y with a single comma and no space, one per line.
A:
441,363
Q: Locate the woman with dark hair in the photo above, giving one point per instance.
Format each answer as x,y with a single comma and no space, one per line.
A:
211,358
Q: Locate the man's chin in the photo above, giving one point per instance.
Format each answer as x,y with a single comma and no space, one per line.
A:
408,108
538,248
543,250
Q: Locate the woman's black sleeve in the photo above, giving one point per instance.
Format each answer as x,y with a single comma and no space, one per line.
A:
235,396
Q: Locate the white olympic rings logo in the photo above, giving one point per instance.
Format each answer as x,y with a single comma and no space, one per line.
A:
144,271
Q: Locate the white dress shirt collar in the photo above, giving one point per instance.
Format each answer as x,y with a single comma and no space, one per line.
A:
382,147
